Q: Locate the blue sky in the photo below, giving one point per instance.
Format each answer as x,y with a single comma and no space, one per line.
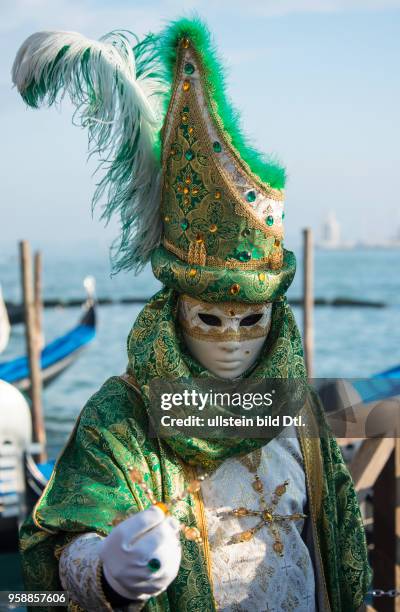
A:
317,84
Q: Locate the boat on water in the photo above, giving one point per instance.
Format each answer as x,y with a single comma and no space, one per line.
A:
22,480
58,354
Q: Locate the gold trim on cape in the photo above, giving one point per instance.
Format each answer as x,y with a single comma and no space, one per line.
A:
313,469
201,521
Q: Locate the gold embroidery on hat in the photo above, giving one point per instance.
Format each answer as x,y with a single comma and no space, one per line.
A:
240,206
240,164
208,177
275,260
216,262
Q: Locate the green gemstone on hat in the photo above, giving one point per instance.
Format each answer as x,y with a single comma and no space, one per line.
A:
257,253
246,232
189,68
217,146
189,155
269,220
154,565
244,255
283,216
184,224
251,195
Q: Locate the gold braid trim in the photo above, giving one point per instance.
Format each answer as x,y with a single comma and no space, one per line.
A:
215,262
276,258
100,586
230,308
245,333
201,521
311,450
197,253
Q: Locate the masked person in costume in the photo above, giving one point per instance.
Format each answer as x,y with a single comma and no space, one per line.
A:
207,209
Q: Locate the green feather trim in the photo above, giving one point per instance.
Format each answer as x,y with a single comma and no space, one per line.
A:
266,168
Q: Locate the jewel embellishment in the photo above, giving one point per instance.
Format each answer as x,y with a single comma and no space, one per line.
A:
267,515
251,195
244,256
217,147
154,565
189,68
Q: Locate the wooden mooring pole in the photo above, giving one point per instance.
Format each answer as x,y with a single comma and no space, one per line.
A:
308,300
37,294
32,298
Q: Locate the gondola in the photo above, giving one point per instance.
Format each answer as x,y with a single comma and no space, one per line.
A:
55,356
22,480
379,387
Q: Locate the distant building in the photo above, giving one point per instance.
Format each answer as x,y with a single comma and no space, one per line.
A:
330,233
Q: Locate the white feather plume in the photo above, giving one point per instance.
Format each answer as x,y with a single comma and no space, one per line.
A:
122,111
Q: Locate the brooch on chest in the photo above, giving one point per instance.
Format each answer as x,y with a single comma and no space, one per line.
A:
267,514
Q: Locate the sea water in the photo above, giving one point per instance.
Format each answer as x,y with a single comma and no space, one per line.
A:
349,341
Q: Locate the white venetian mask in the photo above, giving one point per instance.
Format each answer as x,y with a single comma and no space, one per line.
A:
225,338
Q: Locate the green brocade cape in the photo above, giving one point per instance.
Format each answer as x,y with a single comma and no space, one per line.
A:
91,486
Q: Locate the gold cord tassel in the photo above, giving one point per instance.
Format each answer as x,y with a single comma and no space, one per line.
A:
197,252
275,260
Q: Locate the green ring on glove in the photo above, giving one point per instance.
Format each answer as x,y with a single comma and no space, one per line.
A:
154,565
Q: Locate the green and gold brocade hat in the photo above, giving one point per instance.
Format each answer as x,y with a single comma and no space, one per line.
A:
221,203
192,194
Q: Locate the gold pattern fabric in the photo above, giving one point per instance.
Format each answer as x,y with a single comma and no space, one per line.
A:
217,215
91,486
217,284
79,569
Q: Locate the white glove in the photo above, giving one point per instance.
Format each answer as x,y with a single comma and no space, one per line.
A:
141,556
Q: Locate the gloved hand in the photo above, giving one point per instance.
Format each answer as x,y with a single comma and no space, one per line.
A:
141,555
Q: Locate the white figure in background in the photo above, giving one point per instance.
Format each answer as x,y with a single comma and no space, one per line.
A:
5,327
15,439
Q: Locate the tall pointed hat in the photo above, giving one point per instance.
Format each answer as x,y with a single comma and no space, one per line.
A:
193,195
